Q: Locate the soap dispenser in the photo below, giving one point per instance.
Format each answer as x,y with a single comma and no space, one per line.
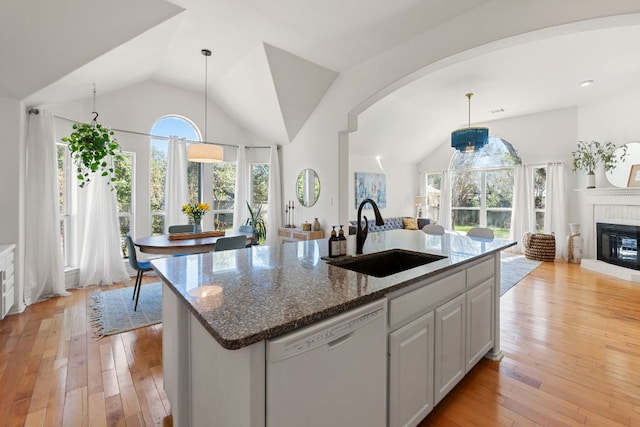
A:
334,244
343,242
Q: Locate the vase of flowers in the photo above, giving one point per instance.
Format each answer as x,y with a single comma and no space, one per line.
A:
195,211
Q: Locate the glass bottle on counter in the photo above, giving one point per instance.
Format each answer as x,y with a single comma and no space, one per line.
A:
334,244
343,242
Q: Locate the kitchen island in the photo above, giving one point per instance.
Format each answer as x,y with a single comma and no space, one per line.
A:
222,310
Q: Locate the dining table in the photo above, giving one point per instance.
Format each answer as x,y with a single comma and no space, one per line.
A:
162,245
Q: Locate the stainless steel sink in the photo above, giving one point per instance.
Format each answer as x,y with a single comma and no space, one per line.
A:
382,264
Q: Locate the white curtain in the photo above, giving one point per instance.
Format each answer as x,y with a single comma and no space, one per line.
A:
44,264
555,218
445,201
274,206
101,262
241,196
176,187
522,214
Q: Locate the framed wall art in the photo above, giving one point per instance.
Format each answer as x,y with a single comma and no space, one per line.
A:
371,186
634,176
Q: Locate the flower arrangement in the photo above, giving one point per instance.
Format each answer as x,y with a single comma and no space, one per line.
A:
195,210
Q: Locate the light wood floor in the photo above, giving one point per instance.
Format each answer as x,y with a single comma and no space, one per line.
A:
571,340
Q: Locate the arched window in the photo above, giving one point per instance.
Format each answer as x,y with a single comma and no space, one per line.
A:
482,187
169,126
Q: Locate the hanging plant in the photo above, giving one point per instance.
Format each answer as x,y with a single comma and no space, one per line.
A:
91,145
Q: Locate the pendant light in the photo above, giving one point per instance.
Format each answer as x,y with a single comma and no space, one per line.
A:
205,152
469,139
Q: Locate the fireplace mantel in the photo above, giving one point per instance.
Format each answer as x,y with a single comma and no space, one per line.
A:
612,196
611,205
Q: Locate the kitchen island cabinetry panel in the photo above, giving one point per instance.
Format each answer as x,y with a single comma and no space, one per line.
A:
479,322
411,372
449,346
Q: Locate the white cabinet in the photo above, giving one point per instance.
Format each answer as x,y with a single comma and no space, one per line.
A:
480,329
207,385
6,279
411,372
450,339
440,328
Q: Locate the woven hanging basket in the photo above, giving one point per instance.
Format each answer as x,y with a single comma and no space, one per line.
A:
539,247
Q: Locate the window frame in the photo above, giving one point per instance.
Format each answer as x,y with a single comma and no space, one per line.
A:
65,216
483,209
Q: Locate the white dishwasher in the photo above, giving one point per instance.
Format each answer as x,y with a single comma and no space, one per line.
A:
331,373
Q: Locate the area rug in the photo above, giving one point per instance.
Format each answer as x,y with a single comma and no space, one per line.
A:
111,311
514,268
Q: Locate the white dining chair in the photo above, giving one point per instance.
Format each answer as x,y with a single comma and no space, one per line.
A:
482,232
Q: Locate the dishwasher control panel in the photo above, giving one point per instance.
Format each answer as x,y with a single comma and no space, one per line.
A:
325,332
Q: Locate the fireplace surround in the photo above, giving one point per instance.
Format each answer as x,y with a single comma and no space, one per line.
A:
618,206
618,244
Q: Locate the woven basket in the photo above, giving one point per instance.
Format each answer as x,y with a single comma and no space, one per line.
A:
539,247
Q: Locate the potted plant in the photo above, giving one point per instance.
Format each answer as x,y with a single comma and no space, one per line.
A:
90,145
591,154
255,220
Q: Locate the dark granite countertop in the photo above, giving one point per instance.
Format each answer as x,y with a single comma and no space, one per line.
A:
248,295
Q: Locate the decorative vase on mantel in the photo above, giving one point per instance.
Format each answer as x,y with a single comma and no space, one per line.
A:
591,180
574,244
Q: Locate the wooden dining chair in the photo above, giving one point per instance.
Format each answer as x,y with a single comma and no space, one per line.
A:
227,243
139,266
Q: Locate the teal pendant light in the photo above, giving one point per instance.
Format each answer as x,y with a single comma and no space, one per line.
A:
469,139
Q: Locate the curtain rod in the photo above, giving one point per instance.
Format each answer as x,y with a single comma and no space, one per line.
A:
36,111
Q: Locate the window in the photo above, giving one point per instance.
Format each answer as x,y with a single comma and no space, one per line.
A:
224,188
170,126
64,160
539,196
124,188
432,196
260,189
482,187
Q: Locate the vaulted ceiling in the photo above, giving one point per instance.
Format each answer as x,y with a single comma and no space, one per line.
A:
272,61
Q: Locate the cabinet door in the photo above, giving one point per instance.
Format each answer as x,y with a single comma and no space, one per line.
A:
411,372
450,355
479,322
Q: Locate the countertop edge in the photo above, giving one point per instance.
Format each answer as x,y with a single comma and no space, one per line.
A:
237,343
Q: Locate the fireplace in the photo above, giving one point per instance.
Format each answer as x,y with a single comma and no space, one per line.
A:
618,244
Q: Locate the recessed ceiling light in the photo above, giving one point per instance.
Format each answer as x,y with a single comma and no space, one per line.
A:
586,83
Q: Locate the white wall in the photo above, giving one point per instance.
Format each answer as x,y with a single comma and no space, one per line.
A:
317,143
614,118
401,186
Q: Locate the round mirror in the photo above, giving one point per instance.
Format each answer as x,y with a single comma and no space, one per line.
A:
308,187
619,176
